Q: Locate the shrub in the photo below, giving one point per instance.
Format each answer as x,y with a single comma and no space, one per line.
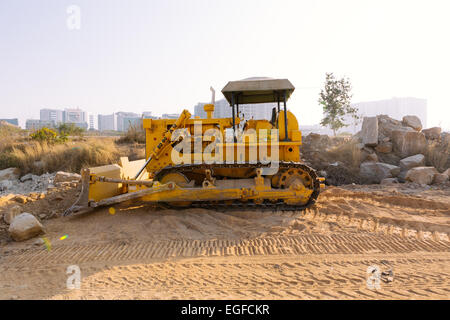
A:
49,136
134,134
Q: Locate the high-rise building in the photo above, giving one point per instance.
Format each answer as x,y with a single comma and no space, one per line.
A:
148,115
92,122
125,119
107,122
395,108
52,115
35,124
76,116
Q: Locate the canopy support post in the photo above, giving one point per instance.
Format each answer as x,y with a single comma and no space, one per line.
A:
285,119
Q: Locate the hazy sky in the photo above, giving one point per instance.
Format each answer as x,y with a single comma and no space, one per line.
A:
163,55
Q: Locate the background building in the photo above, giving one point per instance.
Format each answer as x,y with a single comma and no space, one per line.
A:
34,124
92,122
395,108
125,119
170,116
76,116
52,115
148,115
14,121
107,122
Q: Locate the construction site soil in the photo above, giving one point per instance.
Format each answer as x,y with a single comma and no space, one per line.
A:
142,252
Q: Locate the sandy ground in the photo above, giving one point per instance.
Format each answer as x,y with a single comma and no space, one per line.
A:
141,252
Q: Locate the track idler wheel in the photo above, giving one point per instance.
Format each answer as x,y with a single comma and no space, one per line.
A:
180,180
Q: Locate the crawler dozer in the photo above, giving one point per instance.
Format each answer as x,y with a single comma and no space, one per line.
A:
214,162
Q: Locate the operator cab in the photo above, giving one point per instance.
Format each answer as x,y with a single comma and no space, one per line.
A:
260,90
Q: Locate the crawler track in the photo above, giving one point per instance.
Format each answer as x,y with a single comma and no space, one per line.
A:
238,205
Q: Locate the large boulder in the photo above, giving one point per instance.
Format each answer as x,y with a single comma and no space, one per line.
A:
372,157
386,125
66,177
413,122
375,172
369,131
432,133
9,174
25,226
417,160
421,175
440,178
447,172
408,143
389,181
384,147
11,213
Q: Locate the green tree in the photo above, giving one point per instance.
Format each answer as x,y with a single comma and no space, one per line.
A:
70,129
335,100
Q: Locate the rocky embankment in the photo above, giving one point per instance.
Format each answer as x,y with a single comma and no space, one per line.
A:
385,151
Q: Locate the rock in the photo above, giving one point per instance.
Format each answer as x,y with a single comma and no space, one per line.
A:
9,174
26,177
38,242
386,125
447,172
389,181
375,172
369,131
20,199
402,176
440,178
408,143
11,214
389,158
42,216
413,122
5,185
372,157
421,175
25,226
432,133
384,147
66,177
322,173
417,160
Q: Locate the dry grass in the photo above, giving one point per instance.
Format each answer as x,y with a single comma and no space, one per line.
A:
438,155
135,134
348,153
38,158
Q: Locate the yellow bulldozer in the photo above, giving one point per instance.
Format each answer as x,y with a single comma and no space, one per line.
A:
231,162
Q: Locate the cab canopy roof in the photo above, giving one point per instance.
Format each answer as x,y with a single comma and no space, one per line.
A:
258,90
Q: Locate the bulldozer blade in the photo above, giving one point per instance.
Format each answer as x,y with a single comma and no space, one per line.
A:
131,195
